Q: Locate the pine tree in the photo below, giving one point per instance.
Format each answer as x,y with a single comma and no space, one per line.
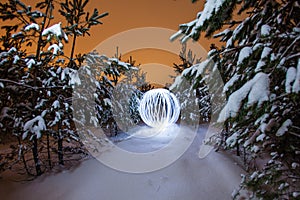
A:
187,59
201,91
260,66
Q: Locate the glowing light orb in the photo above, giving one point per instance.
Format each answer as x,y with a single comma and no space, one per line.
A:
159,108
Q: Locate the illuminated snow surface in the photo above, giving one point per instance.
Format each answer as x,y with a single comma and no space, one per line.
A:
159,108
190,178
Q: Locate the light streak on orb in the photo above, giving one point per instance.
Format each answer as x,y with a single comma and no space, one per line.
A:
159,108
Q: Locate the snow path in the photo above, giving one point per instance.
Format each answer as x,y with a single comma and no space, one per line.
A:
189,178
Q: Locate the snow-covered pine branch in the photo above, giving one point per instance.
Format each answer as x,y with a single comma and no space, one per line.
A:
206,20
257,91
34,126
55,31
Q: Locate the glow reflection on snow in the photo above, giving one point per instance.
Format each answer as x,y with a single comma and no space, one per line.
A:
162,133
159,108
139,155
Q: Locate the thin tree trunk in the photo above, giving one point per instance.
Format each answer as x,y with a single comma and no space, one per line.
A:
225,134
60,146
244,156
237,149
48,151
35,92
73,47
22,156
36,157
38,49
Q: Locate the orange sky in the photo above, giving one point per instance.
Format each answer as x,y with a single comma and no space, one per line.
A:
130,14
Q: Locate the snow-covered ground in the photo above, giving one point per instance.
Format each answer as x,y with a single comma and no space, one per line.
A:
189,178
